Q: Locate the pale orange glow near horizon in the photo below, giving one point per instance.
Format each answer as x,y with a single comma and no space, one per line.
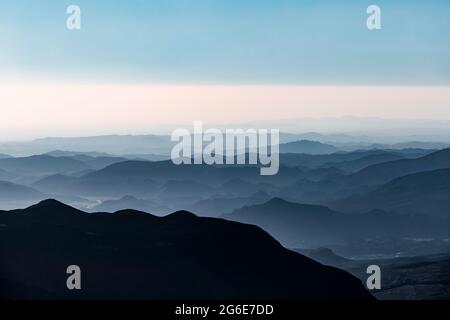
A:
35,110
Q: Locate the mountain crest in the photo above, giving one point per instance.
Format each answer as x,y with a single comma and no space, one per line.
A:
52,207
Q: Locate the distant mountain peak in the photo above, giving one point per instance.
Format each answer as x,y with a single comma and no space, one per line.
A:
277,201
54,206
128,198
181,214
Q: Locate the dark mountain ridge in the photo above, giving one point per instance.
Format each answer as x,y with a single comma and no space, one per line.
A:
134,255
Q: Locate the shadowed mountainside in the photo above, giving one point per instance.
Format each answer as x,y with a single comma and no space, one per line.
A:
408,278
42,164
134,255
386,171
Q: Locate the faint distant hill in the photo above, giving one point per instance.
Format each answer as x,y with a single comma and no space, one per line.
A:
130,202
97,163
411,145
132,255
54,183
4,156
13,192
349,160
310,191
217,206
140,178
361,163
13,195
5,175
93,160
303,225
186,187
307,147
66,153
384,172
42,164
392,247
110,144
426,193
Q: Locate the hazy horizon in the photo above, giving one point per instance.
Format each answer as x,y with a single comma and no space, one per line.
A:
36,111
152,66
379,130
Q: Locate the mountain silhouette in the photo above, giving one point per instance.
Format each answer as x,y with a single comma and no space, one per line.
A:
298,225
384,172
130,202
426,193
186,187
134,255
239,187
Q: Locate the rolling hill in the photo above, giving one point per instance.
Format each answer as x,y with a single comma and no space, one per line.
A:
41,165
5,175
15,192
142,178
307,147
53,183
298,225
217,206
426,193
130,202
384,172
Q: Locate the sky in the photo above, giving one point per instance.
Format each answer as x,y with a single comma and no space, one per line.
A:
142,63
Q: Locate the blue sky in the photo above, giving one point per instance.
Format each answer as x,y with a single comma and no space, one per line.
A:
227,41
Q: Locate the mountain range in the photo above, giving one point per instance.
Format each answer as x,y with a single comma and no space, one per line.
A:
307,147
298,225
134,255
384,172
423,193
